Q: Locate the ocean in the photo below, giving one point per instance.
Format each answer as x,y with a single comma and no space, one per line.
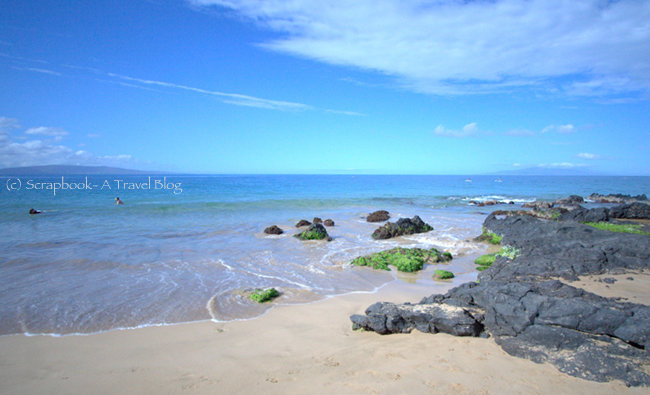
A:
183,248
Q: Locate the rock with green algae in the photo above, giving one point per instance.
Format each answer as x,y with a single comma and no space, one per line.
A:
442,275
314,232
485,260
490,237
264,295
404,259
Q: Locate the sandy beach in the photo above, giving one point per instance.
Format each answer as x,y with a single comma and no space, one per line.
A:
308,348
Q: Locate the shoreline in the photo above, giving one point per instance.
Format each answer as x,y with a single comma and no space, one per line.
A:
300,348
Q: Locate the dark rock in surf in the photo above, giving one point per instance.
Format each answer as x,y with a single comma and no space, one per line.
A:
378,216
314,232
403,226
303,222
273,230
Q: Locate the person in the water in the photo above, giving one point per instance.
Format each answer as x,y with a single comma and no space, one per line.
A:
118,201
33,211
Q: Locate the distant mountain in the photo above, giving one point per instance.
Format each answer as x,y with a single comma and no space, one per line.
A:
63,170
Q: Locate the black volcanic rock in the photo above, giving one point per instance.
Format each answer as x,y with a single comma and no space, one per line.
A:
631,211
273,230
403,226
303,222
571,200
328,222
617,198
538,205
530,313
317,220
378,216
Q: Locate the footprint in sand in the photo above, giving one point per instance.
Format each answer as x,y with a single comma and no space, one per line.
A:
331,362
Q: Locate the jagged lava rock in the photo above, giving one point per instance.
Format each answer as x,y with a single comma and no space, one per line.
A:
538,205
403,226
531,314
617,198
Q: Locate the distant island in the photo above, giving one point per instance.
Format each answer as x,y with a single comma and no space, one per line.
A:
548,171
60,170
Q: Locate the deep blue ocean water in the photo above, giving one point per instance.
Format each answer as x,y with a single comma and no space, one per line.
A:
182,248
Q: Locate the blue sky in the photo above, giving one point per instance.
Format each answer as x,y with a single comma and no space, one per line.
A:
379,87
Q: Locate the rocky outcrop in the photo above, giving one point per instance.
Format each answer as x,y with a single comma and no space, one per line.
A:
538,205
530,313
581,214
617,198
403,226
386,318
328,222
273,230
314,232
571,200
378,216
489,202
631,211
317,220
302,222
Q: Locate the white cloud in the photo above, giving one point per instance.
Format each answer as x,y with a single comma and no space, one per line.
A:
57,133
47,152
467,130
589,47
7,124
342,112
587,155
516,164
43,71
562,129
230,98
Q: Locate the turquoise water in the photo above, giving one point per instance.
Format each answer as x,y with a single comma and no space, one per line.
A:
185,251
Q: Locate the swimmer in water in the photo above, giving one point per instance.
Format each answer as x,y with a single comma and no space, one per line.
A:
118,201
32,211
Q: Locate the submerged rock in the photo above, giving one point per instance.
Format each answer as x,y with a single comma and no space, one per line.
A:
328,222
488,202
314,232
403,226
273,230
378,216
302,222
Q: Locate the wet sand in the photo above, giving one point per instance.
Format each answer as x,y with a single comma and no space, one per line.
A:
308,348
